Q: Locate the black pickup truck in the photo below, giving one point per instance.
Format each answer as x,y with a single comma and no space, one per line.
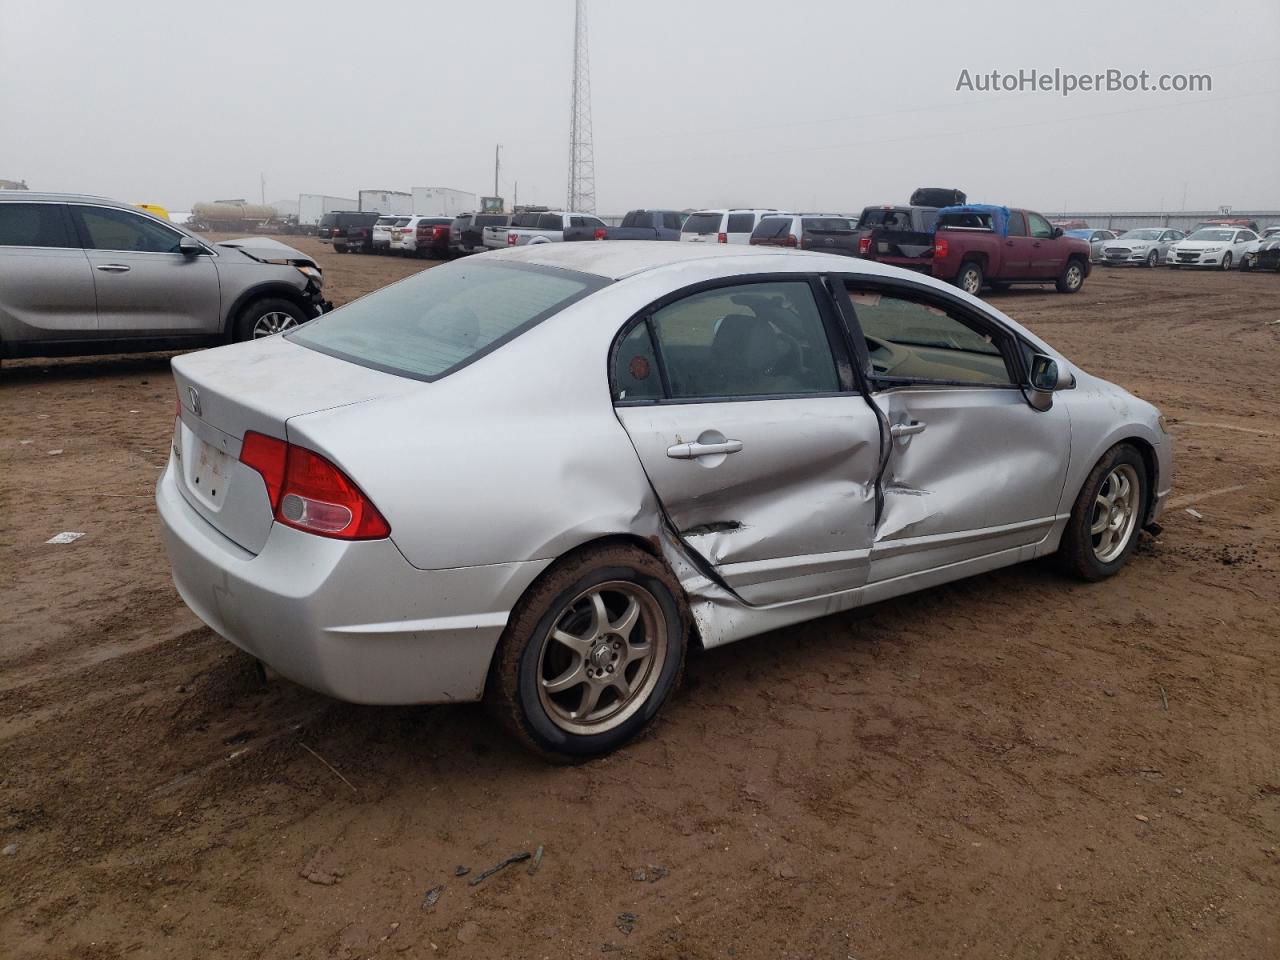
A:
647,225
897,235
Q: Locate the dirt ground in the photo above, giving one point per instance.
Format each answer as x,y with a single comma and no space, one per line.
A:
1011,766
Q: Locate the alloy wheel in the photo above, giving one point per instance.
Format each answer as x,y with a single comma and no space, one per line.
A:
602,657
1074,276
1115,513
273,322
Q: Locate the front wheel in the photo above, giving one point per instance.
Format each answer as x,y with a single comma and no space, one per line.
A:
1072,278
265,318
1153,258
590,654
1226,260
1103,527
1246,262
969,279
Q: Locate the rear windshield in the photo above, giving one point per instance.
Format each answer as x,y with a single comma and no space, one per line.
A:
438,320
637,218
771,227
491,220
970,218
827,224
886,219
386,221
435,221
702,223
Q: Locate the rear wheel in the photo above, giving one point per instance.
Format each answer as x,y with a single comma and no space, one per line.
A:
339,248
1072,278
264,318
1104,522
590,653
969,279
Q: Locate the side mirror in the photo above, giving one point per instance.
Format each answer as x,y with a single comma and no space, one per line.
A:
1057,232
189,247
1046,378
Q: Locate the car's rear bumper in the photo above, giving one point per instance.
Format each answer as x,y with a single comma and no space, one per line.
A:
354,620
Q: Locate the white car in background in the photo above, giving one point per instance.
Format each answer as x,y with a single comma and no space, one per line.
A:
382,228
724,226
1145,246
1220,247
1251,252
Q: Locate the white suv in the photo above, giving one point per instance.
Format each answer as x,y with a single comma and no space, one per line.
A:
723,226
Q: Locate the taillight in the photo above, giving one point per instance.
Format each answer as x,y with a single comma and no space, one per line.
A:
792,241
864,244
511,239
940,247
438,231
602,233
722,238
309,493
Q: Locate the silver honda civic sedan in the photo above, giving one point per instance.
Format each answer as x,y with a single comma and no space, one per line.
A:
539,476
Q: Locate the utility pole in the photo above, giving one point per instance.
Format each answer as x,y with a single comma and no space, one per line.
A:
582,163
497,163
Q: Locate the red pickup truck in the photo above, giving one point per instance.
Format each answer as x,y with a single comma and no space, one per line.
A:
977,244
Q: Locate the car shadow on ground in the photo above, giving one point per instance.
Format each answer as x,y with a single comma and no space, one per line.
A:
16,372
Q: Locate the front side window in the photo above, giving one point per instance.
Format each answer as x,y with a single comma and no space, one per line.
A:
913,340
111,229
34,225
747,340
1040,227
741,223
439,320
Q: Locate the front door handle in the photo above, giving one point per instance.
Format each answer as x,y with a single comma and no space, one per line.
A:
113,268
691,451
907,429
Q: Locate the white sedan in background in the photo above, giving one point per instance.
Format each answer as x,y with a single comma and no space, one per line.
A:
1218,247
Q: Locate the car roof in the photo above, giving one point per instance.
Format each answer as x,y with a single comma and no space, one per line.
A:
30,195
617,259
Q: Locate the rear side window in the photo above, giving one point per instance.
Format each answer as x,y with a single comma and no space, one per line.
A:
885,219
741,222
438,320
550,221
671,221
967,218
749,340
635,369
34,225
636,218
703,223
1017,224
111,229
771,227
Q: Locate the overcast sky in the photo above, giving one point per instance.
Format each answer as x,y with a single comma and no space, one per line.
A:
779,103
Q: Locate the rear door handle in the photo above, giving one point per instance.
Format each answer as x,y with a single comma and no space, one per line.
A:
691,451
907,429
113,268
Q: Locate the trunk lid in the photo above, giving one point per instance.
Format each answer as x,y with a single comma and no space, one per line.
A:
258,386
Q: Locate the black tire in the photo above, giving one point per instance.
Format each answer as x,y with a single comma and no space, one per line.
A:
1153,259
970,277
339,248
1226,260
254,315
1072,278
515,694
1077,556
1246,263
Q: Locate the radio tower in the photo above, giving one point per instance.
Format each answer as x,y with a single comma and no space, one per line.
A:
582,163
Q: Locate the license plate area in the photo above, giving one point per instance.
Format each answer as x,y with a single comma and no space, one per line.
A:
209,473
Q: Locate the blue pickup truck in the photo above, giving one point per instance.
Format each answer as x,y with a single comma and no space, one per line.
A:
647,225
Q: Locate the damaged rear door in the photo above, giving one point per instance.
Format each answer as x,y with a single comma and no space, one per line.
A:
738,397
971,468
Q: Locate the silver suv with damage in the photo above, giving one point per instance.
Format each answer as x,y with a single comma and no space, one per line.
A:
83,275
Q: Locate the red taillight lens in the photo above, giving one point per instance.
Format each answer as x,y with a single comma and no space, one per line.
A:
309,493
438,232
940,247
602,233
864,244
511,239
722,238
268,456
